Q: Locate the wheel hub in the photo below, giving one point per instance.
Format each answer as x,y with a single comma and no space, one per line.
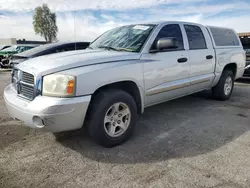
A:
117,119
228,85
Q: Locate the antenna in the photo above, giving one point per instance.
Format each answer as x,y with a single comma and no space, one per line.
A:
75,29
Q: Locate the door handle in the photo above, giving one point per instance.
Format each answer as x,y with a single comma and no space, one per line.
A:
209,57
182,60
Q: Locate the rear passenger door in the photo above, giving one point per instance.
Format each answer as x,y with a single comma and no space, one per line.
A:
201,57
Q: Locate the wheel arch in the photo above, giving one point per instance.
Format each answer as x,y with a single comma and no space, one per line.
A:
218,73
231,66
128,86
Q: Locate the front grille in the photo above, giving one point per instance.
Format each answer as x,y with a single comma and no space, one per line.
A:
27,91
23,82
27,78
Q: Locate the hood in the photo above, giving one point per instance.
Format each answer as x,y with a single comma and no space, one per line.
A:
67,60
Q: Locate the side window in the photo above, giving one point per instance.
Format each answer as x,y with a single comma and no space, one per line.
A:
82,46
70,47
55,50
172,30
47,52
59,49
196,38
224,37
67,47
64,48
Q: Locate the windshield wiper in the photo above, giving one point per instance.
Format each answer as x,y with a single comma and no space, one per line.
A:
127,50
117,49
109,48
90,48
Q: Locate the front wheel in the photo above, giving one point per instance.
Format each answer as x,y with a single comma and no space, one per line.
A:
223,90
112,117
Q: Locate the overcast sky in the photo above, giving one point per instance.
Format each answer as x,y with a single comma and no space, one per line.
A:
93,17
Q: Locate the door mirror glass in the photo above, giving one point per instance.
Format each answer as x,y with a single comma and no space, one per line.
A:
166,44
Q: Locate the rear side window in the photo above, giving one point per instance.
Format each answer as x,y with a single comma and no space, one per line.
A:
64,48
172,30
69,47
195,36
224,37
56,49
82,46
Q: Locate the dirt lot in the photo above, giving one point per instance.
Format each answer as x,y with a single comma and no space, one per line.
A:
190,142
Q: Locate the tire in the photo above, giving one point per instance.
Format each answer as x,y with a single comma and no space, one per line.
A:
105,104
218,91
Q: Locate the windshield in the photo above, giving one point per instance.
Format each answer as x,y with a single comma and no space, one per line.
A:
127,38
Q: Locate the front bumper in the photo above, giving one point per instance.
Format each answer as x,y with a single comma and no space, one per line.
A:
47,113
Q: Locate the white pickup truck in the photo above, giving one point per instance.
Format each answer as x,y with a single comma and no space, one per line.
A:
122,72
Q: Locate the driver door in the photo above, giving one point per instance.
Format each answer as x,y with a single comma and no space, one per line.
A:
166,73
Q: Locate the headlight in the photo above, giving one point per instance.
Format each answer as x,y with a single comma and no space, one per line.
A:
59,85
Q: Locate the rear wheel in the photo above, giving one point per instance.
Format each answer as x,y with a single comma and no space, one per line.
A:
223,90
112,117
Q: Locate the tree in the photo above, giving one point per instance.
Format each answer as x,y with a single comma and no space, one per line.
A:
44,23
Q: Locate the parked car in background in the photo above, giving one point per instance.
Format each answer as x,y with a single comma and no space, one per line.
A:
122,72
4,46
1,48
47,49
6,53
247,70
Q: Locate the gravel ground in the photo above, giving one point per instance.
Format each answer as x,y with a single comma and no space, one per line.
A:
192,142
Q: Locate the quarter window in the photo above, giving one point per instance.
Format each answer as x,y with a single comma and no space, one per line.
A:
224,37
81,46
170,31
196,38
70,47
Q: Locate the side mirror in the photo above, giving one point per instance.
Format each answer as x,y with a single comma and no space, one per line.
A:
166,44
